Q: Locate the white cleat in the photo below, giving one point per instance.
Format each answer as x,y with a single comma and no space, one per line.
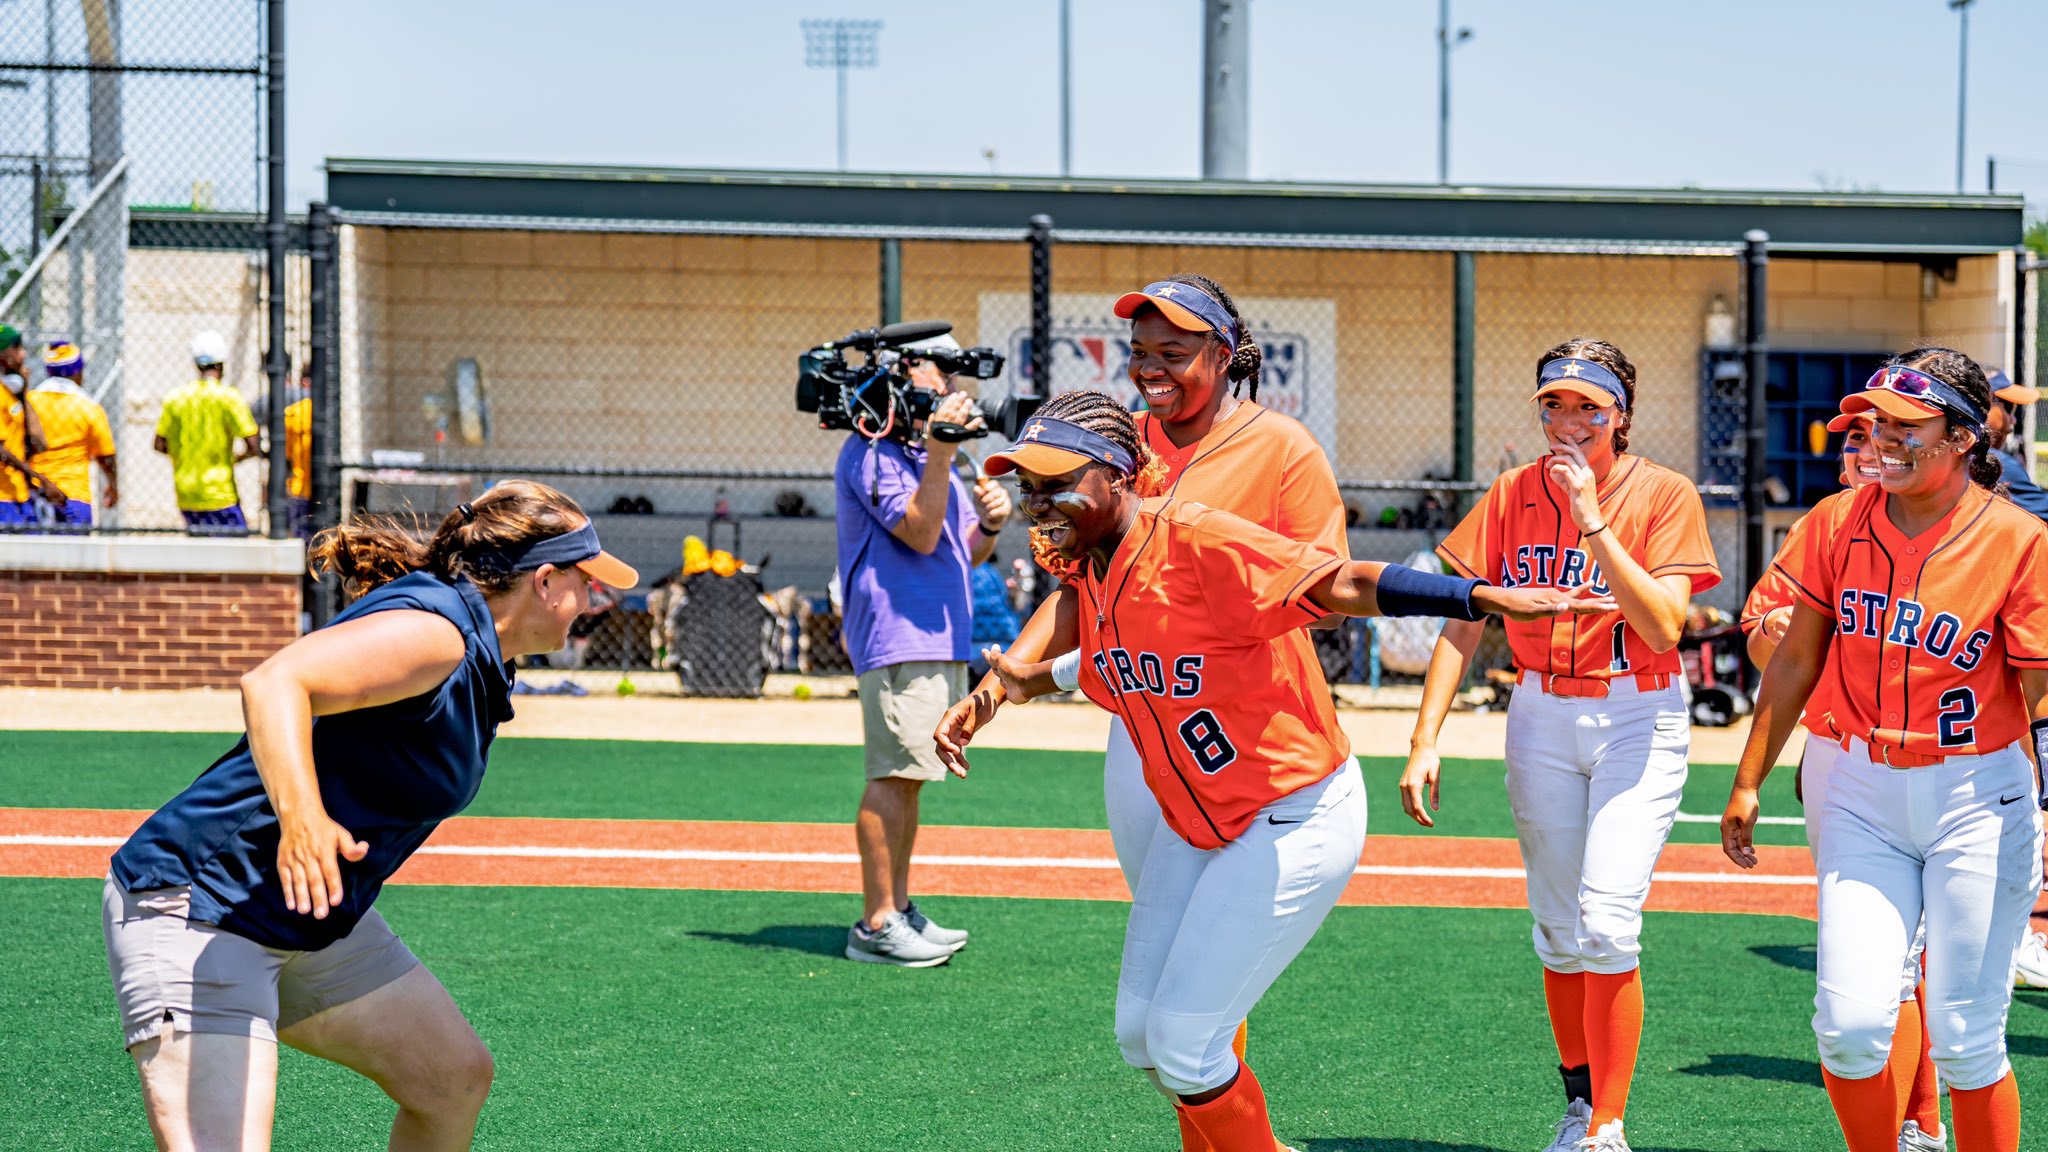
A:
1607,1139
2030,963
1571,1131
1912,1139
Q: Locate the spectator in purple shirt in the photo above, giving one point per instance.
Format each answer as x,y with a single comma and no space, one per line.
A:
910,530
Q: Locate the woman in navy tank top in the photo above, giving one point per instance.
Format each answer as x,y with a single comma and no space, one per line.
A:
239,914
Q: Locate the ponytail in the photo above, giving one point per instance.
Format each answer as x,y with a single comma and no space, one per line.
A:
372,551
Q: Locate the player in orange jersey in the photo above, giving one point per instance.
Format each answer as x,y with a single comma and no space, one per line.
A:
1191,354
1191,621
1931,809
1597,730
1765,615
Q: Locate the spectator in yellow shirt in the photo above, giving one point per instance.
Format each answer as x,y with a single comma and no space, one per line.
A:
206,429
20,435
75,433
298,443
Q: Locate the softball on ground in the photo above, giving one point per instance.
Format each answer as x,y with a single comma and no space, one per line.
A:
801,691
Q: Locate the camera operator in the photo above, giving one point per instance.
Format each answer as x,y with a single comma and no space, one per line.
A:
910,531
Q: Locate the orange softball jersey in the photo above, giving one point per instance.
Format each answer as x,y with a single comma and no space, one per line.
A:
1260,465
1194,637
1775,591
1930,631
1522,534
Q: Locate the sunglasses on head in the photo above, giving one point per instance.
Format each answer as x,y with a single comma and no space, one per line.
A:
1903,380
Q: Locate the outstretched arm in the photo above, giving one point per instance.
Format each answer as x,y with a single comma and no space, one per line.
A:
1369,588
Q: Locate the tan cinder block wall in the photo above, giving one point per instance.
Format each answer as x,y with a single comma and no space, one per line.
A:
1973,313
680,351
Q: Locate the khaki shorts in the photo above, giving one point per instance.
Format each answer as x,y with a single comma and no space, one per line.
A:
171,973
900,706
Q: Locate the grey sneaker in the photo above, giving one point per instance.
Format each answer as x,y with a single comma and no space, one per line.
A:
895,942
950,938
1912,1139
1571,1130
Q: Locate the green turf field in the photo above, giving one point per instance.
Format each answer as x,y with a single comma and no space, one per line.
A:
630,1019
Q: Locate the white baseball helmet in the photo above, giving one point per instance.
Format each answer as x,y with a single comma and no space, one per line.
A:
209,348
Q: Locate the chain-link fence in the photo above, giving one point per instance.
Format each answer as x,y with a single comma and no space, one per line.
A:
649,372
132,152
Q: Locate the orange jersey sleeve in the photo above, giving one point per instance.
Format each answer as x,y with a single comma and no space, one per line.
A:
1193,636
1522,534
1926,649
1775,590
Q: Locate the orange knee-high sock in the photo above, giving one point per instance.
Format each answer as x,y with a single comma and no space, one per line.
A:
1866,1110
1907,1037
1564,993
1244,1030
1614,1031
1923,1097
1987,1119
1235,1121
1191,1138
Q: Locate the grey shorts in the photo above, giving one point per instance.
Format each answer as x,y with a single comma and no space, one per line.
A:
900,706
174,974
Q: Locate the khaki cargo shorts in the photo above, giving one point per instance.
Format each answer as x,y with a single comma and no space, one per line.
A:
175,974
900,706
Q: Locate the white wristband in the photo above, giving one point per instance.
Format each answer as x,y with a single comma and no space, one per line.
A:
1066,671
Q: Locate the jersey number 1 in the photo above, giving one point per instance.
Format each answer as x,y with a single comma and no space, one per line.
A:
1620,662
1206,742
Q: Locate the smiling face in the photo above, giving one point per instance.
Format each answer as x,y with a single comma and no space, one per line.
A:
1859,456
1570,418
1917,456
1075,511
1179,373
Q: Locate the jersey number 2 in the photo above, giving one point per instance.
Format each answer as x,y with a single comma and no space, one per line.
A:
1206,742
1958,713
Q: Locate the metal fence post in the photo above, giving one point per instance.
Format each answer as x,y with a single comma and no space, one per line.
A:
278,464
1041,305
1756,434
892,280
322,304
1464,303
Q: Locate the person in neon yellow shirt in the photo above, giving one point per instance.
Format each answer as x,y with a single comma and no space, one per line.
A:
298,444
75,433
20,436
206,429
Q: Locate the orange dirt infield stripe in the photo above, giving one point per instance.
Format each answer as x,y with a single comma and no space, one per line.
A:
1045,863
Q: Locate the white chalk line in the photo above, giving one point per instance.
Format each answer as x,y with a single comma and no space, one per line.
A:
716,856
1699,818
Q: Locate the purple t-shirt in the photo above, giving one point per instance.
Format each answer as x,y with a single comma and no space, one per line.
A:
900,604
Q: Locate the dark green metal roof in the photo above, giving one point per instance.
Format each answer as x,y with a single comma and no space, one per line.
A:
1861,222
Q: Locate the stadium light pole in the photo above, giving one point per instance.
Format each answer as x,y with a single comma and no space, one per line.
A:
1066,89
1962,9
841,45
1445,41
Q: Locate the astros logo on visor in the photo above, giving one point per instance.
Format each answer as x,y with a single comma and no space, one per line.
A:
1185,306
1584,377
1052,447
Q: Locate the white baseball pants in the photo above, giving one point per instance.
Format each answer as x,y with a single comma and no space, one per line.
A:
1133,810
1211,930
1815,761
1594,785
1957,842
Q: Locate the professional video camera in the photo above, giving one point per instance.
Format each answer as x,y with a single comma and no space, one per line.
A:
876,397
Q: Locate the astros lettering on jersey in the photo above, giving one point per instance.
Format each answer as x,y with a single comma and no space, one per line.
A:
1522,534
1196,639
1926,655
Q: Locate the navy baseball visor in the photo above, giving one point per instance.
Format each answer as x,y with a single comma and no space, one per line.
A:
1185,306
577,549
1052,447
1587,378
1909,394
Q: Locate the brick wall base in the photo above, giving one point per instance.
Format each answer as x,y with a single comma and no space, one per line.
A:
141,630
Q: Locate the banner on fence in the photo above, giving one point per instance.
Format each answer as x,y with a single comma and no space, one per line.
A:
1091,349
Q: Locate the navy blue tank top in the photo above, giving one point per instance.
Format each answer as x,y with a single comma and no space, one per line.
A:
388,774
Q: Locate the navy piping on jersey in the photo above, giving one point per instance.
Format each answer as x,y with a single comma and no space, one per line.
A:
1108,619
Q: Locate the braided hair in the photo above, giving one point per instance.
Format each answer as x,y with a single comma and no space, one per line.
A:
1609,357
1966,376
1098,412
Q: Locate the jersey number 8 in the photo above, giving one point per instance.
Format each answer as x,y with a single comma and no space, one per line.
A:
1206,742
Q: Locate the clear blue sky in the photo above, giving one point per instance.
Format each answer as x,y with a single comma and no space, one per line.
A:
1793,94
